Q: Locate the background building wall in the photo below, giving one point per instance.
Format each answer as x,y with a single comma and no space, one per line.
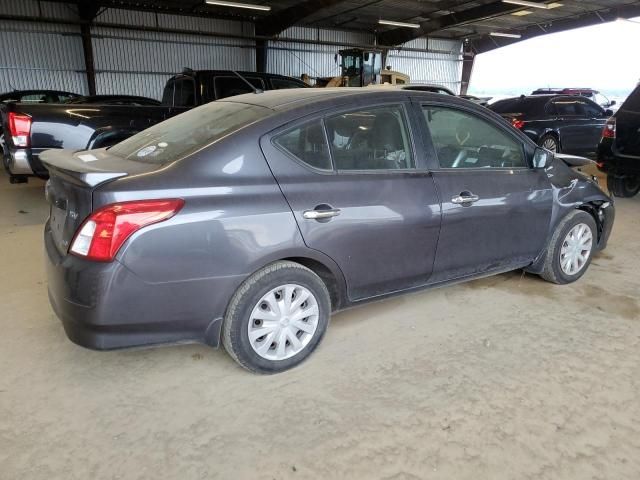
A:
40,55
138,62
131,60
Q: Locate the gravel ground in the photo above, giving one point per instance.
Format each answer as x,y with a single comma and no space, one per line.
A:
507,377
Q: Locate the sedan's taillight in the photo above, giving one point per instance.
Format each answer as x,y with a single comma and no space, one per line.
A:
519,124
102,234
19,128
609,130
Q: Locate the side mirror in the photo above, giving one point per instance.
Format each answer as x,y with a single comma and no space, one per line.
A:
542,158
608,112
612,103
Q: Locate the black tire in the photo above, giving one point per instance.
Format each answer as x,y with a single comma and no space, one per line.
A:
550,139
623,186
552,270
235,336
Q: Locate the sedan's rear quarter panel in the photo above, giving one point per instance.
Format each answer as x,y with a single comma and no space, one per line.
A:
235,220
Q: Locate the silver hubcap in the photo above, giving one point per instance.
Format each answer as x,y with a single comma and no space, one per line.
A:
550,144
283,322
576,249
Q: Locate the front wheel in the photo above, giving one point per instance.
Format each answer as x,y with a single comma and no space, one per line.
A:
623,186
276,318
550,142
570,249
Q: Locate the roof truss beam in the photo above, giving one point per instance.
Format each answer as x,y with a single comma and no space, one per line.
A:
495,9
276,23
488,43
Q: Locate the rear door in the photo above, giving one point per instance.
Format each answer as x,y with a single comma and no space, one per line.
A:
358,195
496,210
595,122
575,125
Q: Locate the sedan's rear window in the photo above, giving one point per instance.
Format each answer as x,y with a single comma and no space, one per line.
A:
184,134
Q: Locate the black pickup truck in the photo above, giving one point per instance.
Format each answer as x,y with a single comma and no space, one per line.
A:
29,129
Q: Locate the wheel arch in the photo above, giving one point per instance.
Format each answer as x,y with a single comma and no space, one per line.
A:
320,264
590,207
552,132
108,136
334,281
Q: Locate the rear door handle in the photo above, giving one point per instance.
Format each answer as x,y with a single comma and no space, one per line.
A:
321,214
465,198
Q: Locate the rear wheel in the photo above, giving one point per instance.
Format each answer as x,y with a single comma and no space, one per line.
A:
550,142
276,318
623,186
570,249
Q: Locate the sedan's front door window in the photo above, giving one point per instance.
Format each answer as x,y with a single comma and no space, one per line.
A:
463,140
592,110
370,139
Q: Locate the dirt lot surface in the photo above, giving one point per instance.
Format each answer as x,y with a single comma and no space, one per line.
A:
503,378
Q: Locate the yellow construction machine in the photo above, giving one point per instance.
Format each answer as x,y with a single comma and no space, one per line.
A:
361,68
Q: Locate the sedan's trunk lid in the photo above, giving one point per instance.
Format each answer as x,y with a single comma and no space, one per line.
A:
73,177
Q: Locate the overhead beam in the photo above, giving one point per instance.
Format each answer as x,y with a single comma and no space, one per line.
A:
276,23
488,43
399,36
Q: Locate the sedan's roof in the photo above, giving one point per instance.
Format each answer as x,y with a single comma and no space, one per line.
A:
291,98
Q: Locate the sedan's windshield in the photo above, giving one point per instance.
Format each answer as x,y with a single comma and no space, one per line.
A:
184,134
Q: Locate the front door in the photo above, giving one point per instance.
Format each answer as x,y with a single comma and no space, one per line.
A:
496,210
357,195
580,126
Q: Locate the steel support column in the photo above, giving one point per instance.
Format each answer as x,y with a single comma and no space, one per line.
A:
87,11
261,56
468,58
87,48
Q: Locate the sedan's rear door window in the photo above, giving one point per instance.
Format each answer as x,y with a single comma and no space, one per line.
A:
308,144
370,139
463,140
569,107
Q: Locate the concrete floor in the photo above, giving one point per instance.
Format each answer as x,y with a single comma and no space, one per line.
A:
502,378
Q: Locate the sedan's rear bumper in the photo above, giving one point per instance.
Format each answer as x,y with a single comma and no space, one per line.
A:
104,306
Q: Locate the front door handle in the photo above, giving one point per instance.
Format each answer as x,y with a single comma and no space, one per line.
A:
465,198
321,214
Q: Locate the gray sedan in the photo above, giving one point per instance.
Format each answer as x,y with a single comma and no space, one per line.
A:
247,221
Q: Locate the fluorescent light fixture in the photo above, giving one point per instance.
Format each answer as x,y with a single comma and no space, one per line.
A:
525,3
522,13
398,24
508,35
250,6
